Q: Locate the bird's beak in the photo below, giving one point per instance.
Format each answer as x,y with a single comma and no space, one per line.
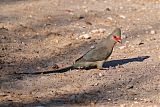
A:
120,41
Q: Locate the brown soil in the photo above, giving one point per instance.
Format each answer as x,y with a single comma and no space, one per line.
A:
39,35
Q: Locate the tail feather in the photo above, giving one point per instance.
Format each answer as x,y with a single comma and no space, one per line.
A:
52,71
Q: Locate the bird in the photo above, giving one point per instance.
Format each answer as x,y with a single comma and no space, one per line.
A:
95,57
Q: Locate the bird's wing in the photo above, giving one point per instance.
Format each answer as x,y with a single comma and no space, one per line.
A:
95,54
80,58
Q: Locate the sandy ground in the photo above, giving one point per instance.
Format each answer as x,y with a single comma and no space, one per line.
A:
39,35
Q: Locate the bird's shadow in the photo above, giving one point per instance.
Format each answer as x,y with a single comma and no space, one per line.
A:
114,63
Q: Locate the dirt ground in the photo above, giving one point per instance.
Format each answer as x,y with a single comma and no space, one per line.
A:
40,35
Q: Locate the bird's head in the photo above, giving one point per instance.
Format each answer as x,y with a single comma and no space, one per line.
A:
116,35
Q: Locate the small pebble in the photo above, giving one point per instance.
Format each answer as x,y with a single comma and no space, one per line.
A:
135,102
100,74
86,10
30,16
57,41
88,23
55,66
138,19
153,32
122,105
85,36
122,16
124,56
96,84
98,31
141,43
108,9
121,7
81,17
135,98
155,106
92,47
109,99
110,18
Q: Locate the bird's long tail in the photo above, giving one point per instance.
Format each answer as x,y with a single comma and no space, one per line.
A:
52,71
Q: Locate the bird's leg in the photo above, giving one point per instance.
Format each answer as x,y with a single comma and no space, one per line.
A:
89,65
100,64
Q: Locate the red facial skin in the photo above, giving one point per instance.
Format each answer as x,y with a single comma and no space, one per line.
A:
116,38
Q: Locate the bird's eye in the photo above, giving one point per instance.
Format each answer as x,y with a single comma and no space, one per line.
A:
117,38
